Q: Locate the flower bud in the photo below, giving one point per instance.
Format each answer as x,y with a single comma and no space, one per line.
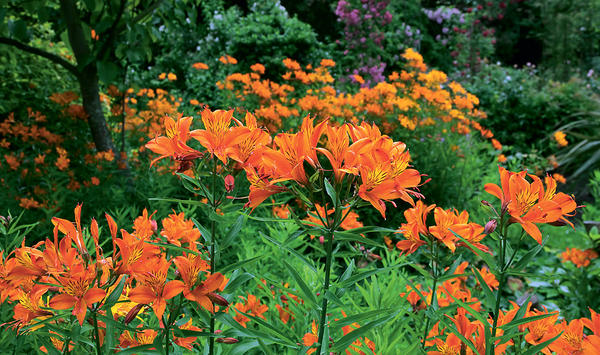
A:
133,313
228,340
490,226
229,183
218,299
558,223
153,225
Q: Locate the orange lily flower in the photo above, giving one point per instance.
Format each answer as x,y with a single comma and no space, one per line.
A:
30,307
77,291
528,203
174,144
190,267
385,176
256,137
217,137
415,225
250,306
260,186
338,143
593,323
153,286
203,294
75,233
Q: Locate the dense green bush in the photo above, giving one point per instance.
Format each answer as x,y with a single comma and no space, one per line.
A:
524,107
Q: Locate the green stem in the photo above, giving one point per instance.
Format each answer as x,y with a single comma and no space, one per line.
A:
433,297
97,334
167,337
501,281
322,322
214,202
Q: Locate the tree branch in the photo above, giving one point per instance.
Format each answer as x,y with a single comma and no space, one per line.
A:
112,32
33,50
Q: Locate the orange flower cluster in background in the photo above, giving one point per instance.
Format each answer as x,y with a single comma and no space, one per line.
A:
560,138
62,274
33,157
581,258
408,100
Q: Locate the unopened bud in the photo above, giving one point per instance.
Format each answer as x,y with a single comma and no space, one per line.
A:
228,340
322,239
558,223
218,331
229,183
490,226
4,220
218,299
133,313
486,203
153,225
373,256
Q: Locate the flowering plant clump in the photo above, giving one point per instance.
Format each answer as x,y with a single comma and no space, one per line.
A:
138,287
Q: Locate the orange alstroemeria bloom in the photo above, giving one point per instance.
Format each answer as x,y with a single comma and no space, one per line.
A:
217,137
529,203
261,186
74,232
77,290
415,225
202,294
256,137
153,287
385,174
174,144
338,143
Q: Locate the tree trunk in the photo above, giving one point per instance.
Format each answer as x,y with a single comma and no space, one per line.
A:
87,77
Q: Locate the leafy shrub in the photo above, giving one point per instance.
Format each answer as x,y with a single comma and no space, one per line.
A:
523,107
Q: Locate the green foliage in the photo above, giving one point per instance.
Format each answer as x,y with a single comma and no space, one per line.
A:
525,108
266,35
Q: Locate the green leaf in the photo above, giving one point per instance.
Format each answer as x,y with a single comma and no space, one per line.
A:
487,292
517,322
233,231
205,233
357,318
108,72
237,280
349,338
331,193
114,296
306,291
290,250
341,236
239,264
109,337
487,258
538,348
522,263
358,277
